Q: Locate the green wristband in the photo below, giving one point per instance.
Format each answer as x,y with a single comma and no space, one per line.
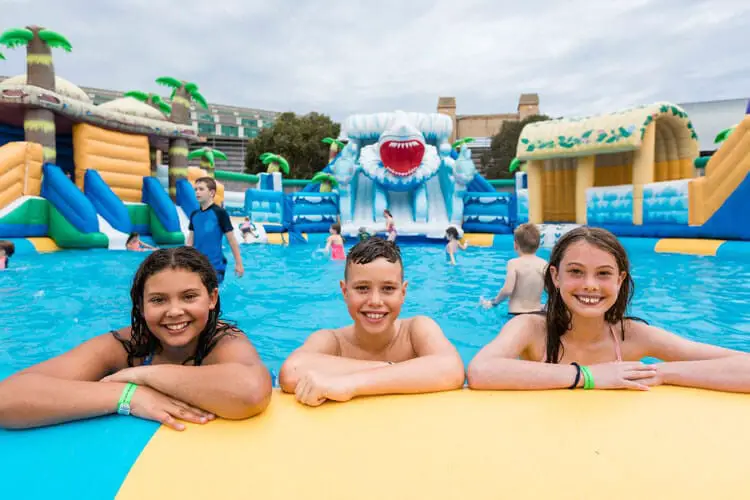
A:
123,405
588,379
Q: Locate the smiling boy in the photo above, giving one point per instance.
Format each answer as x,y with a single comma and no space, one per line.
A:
379,353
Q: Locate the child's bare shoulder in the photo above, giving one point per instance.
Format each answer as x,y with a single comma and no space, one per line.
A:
422,324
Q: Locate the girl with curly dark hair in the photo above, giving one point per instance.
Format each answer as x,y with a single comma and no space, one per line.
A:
176,361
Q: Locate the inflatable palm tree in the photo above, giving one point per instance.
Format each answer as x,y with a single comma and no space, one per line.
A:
152,100
327,182
208,158
335,146
39,124
275,163
182,95
2,57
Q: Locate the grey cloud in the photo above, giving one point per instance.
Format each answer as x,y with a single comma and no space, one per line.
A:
581,57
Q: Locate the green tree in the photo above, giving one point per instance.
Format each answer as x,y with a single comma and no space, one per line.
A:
38,124
296,138
495,163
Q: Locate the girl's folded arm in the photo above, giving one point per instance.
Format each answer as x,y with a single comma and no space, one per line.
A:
65,387
694,364
497,365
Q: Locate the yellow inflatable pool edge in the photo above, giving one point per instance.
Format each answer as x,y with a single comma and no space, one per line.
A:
665,443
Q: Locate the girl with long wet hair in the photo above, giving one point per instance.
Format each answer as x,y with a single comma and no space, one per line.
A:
177,361
584,339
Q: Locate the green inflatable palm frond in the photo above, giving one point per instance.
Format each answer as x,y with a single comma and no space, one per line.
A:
321,177
137,94
461,142
283,164
196,153
198,97
2,57
16,37
220,155
328,140
170,82
514,164
722,136
55,40
164,107
268,158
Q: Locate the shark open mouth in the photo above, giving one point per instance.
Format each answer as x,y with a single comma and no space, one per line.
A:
402,158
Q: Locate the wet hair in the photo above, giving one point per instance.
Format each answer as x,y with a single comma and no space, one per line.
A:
373,248
452,233
336,227
208,181
527,237
386,211
8,246
558,316
131,237
142,341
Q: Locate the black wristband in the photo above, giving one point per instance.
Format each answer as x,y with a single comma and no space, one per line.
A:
578,375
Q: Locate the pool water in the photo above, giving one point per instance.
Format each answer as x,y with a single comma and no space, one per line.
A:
52,302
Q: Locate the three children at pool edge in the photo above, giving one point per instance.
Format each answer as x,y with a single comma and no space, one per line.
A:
179,362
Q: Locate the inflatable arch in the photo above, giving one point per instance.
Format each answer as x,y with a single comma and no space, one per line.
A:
637,146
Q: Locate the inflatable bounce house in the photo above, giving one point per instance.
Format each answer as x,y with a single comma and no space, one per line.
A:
634,173
402,162
77,175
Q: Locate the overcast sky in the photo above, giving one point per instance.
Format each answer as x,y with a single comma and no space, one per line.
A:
339,58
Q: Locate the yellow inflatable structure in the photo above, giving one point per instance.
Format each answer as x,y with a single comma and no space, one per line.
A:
20,171
121,159
724,173
666,443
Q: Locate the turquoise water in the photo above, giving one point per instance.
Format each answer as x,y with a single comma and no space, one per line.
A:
52,302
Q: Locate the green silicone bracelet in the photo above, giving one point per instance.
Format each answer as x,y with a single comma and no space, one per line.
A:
123,405
588,379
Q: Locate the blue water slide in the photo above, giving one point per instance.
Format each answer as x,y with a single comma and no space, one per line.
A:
106,202
186,197
480,185
156,197
72,204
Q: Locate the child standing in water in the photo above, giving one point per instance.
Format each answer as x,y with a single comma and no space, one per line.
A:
584,339
7,249
524,276
176,361
453,244
390,226
335,243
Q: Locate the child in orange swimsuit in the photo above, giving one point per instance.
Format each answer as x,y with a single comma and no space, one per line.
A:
335,243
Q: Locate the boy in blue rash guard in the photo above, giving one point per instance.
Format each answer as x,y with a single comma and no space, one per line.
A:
207,227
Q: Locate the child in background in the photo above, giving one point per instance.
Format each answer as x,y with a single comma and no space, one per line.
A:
524,276
584,339
176,361
453,244
135,244
335,243
209,225
379,353
390,226
363,234
7,249
248,229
